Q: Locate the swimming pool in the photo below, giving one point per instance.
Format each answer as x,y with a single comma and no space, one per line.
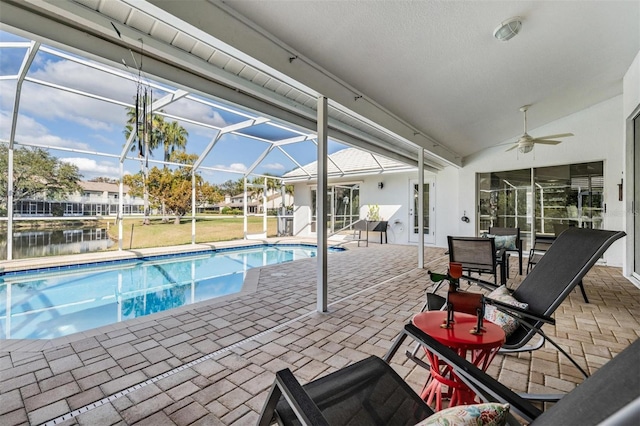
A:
57,302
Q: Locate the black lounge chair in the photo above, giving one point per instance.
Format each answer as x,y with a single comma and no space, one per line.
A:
370,392
558,272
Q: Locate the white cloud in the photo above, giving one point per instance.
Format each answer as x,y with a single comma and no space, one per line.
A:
52,104
195,111
273,166
236,167
30,131
90,168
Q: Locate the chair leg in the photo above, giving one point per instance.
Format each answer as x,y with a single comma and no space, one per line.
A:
584,293
520,258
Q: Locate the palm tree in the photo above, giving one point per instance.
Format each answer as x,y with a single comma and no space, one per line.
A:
174,138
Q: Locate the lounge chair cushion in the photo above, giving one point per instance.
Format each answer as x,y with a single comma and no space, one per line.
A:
508,323
487,414
507,242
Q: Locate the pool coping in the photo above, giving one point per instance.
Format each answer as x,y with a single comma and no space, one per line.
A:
9,266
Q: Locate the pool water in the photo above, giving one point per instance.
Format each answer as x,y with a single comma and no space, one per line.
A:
50,304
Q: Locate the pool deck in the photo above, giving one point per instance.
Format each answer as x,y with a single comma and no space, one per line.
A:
212,363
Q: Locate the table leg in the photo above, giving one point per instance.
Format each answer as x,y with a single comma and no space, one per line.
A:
441,375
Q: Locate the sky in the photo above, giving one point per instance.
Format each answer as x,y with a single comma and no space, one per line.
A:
78,126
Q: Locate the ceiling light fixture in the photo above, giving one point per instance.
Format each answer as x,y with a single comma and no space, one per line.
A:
508,29
525,148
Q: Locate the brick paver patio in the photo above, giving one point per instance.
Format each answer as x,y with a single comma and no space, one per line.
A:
212,363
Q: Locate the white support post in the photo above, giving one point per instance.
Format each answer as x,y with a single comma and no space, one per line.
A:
120,206
244,207
321,203
10,206
264,208
420,207
193,206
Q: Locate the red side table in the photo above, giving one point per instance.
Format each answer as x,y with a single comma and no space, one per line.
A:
481,348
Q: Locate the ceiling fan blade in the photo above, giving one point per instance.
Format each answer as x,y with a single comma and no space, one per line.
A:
515,145
546,141
560,135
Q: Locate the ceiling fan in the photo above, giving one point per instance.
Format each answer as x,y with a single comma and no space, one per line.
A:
525,142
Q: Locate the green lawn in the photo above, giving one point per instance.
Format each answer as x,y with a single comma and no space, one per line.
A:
159,234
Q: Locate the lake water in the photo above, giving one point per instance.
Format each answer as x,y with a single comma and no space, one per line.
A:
28,244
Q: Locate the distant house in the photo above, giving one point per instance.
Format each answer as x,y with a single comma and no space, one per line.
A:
254,202
95,199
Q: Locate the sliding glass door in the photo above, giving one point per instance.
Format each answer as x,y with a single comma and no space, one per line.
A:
343,208
505,201
569,195
544,200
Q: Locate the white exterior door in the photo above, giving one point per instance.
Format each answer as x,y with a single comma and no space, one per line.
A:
429,211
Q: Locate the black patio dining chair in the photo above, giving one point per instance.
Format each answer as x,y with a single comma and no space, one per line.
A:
370,392
511,242
478,255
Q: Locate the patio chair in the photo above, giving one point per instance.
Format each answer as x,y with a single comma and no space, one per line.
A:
517,247
557,273
370,392
478,255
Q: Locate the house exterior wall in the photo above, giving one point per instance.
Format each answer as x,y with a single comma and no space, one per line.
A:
393,201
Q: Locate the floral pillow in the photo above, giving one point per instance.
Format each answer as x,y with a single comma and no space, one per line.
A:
507,242
508,323
487,414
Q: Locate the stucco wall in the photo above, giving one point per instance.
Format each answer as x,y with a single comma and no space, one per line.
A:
393,200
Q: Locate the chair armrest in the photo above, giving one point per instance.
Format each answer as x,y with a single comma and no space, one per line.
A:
514,310
300,402
485,386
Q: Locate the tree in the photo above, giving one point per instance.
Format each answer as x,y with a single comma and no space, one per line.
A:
104,179
272,183
36,175
232,187
208,194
